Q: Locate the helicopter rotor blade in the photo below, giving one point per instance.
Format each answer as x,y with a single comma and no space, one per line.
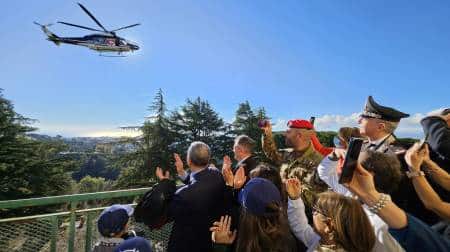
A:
126,27
93,18
80,26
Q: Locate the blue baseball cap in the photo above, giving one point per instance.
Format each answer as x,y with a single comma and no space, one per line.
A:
135,244
113,219
257,194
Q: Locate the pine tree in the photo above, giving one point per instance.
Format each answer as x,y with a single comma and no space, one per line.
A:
246,123
153,151
29,168
197,121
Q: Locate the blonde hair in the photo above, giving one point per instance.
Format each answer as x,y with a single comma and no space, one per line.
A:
352,228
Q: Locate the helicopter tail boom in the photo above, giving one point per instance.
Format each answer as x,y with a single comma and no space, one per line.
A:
50,35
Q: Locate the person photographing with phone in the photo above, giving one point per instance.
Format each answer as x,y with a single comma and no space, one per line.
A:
415,157
332,212
410,232
387,172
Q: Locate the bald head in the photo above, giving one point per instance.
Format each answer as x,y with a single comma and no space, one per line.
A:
298,139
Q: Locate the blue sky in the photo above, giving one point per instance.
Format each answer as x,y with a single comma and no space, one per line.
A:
295,58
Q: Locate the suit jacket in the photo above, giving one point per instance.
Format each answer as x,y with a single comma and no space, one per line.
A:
194,208
249,164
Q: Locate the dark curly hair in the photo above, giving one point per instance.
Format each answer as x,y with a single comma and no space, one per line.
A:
385,167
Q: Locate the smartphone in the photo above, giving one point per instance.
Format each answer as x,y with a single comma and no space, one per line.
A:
312,119
351,160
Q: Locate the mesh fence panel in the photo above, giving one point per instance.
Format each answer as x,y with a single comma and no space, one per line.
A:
31,235
35,234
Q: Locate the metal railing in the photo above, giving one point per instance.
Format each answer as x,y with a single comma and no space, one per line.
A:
61,231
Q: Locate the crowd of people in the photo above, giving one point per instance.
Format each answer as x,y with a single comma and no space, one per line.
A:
397,199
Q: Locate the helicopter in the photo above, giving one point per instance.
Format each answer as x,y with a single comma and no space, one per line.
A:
105,41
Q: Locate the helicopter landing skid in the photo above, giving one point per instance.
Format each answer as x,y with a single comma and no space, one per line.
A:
112,56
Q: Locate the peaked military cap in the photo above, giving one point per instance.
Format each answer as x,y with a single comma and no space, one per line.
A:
375,110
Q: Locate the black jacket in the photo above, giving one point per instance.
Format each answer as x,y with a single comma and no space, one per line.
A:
249,164
194,208
437,134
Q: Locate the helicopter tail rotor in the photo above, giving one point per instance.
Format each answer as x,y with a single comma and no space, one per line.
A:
50,35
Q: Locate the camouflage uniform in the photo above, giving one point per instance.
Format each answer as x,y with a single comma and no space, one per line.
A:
302,165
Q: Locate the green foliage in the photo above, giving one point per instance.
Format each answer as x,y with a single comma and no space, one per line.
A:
90,184
246,123
138,168
197,121
29,168
406,142
326,137
96,165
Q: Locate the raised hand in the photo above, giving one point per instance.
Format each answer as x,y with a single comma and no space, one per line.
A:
239,178
226,162
179,165
227,172
362,183
293,188
221,233
162,175
415,156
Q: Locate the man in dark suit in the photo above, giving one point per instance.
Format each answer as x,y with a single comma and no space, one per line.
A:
196,205
237,177
243,153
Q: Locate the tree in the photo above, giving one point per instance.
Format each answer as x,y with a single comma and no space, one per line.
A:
197,121
90,184
246,123
153,150
29,168
96,165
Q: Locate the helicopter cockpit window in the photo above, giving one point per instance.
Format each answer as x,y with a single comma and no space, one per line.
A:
98,40
122,43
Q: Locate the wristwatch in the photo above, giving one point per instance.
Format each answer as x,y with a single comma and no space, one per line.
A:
413,174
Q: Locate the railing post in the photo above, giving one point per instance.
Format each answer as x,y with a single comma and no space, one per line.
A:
90,217
71,245
54,233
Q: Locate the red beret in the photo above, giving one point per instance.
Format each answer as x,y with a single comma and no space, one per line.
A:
300,124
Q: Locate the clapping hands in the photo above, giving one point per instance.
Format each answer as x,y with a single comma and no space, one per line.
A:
227,172
161,175
234,180
221,233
